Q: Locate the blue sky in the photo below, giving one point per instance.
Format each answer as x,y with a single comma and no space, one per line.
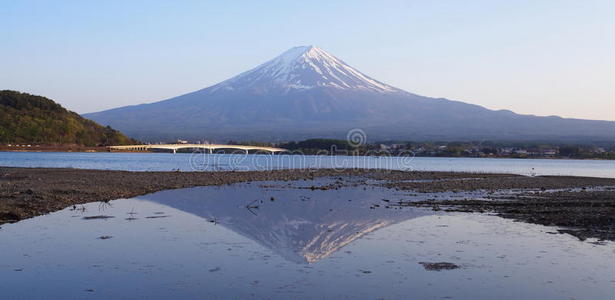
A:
535,57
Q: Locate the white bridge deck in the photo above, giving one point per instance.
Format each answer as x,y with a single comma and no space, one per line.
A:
210,147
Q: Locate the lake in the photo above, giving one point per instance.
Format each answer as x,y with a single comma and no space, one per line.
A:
280,240
213,162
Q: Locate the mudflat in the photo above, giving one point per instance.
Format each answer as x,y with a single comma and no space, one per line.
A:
581,206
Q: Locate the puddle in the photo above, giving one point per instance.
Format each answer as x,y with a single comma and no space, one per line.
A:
272,241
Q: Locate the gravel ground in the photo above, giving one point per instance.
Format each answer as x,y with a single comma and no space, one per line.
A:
573,203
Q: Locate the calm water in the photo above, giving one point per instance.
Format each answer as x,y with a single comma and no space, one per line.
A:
235,242
191,162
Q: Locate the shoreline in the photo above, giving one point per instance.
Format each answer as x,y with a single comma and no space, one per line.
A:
105,150
577,204
67,149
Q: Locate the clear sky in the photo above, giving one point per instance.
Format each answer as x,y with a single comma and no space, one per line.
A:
535,57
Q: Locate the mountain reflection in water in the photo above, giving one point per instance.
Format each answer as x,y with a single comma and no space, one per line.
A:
301,225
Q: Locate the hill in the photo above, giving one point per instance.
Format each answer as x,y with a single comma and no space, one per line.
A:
307,93
26,118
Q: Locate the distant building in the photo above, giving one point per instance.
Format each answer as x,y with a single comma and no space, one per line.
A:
550,152
506,151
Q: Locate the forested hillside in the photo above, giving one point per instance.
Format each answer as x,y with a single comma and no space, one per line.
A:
26,118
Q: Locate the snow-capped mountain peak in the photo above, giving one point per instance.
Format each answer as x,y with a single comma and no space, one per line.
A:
304,67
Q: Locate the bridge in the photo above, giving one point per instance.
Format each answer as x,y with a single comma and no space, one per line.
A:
209,147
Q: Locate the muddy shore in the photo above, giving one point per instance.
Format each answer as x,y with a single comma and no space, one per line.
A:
582,206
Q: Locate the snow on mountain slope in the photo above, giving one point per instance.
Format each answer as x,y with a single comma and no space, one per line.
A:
303,67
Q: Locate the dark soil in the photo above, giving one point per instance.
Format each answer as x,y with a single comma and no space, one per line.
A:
492,182
584,214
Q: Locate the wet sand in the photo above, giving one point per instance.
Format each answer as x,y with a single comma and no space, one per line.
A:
575,203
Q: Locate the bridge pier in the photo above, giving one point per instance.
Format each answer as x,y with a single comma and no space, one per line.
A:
174,151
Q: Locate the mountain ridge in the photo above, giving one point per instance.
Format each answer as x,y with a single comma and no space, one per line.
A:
306,92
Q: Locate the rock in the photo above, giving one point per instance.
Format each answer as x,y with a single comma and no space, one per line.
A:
439,266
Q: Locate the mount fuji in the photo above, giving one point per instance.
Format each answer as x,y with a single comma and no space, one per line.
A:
306,92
